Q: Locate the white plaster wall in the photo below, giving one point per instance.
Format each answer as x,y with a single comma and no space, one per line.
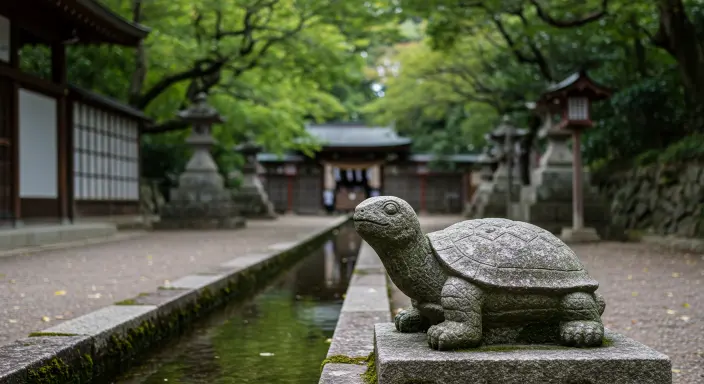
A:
38,145
4,39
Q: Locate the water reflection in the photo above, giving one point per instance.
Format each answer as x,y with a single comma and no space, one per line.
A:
278,337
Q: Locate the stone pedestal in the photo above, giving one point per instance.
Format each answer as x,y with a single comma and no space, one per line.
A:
251,197
406,358
201,200
547,202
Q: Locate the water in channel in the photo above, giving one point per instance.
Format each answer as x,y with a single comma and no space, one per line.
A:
281,336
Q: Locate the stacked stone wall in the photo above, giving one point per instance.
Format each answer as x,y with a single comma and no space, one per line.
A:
662,199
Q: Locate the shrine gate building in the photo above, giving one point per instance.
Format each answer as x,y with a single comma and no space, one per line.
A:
356,162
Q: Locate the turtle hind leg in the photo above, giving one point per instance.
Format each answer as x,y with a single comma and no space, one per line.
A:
462,303
581,324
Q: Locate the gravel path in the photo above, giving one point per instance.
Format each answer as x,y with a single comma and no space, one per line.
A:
43,289
656,297
653,295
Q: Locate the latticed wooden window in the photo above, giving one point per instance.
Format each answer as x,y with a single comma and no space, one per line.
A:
106,160
578,108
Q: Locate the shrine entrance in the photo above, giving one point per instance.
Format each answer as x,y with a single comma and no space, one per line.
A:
347,185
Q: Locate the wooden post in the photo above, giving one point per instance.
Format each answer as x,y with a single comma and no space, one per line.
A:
14,122
58,76
423,186
577,203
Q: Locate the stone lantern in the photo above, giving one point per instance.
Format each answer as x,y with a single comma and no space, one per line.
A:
571,101
201,200
251,197
506,138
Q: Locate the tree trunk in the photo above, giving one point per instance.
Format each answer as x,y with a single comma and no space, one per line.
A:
140,70
678,36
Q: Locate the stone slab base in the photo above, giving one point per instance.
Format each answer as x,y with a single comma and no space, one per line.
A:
406,358
584,235
35,236
204,223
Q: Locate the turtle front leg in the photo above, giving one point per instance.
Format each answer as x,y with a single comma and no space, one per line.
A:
581,324
462,303
418,318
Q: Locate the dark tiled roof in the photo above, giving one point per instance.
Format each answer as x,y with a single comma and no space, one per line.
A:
272,157
463,158
356,135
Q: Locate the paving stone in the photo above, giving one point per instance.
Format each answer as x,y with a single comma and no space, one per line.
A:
402,358
35,352
342,374
366,299
196,281
103,323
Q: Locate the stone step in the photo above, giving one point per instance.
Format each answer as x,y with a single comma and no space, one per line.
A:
47,235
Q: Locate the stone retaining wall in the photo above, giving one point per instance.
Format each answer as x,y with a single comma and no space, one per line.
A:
350,359
664,200
100,344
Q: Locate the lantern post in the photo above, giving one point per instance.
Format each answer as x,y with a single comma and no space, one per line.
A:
572,99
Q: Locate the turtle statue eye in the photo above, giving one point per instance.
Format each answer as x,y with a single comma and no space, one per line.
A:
391,209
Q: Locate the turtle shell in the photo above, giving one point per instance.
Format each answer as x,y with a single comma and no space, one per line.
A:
511,255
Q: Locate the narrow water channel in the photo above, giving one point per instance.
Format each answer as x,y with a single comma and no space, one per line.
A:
281,336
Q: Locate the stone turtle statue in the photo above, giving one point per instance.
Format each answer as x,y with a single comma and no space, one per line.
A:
487,281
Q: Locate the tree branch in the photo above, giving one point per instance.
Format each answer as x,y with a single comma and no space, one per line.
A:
594,16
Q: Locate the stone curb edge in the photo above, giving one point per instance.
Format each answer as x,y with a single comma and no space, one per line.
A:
102,343
366,303
127,235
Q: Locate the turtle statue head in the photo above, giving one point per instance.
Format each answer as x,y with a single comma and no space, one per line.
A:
386,221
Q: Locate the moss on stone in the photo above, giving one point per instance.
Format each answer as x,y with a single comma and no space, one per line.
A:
342,359
606,342
55,372
370,376
127,302
41,334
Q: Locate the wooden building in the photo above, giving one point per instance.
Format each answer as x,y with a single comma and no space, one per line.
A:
64,152
357,162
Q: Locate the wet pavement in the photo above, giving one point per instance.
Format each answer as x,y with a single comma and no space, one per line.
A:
43,289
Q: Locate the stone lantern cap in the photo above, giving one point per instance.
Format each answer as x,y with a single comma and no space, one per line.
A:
500,132
249,147
200,112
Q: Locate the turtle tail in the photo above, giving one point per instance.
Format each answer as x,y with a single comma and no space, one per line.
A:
601,304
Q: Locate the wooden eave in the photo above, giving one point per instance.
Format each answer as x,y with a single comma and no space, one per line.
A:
72,22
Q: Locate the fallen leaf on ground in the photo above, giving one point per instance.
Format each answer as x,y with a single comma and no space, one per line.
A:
266,354
11,321
671,311
58,317
676,370
94,296
645,269
634,321
685,305
328,341
685,318
630,277
669,294
634,294
46,319
60,293
675,274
